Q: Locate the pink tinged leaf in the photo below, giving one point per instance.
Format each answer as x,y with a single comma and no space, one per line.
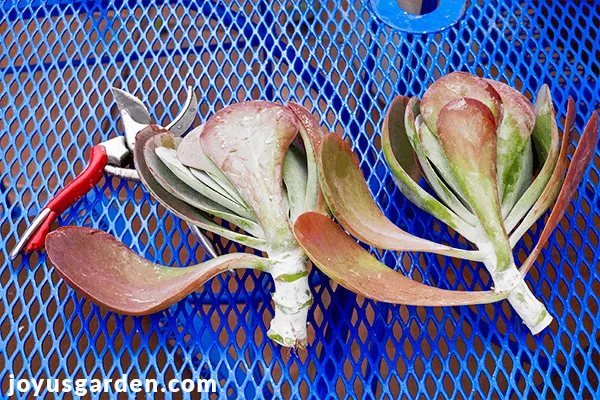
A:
455,86
396,138
514,146
312,131
350,201
177,206
395,142
312,135
343,260
554,184
248,142
111,275
191,155
579,163
438,172
467,132
546,143
218,206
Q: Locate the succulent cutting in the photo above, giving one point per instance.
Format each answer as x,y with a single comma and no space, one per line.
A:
252,165
246,166
495,162
262,175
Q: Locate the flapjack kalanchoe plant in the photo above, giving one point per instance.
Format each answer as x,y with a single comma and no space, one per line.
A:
494,161
253,165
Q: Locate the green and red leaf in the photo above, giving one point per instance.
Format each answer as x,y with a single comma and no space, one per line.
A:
458,85
514,159
397,130
467,131
248,143
546,145
554,184
111,275
177,206
342,259
579,163
351,203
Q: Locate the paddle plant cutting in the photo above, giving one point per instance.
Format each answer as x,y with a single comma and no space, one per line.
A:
262,175
496,164
250,168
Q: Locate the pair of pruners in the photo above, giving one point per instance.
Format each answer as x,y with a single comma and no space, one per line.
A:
110,157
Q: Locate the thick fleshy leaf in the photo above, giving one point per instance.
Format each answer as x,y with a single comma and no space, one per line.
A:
514,132
295,175
205,186
438,172
554,184
111,275
394,137
177,206
248,142
458,85
520,182
182,191
546,149
225,185
343,260
190,154
350,201
467,132
581,158
312,135
194,175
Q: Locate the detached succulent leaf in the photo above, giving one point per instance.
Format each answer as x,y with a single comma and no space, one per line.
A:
579,164
351,203
113,276
344,261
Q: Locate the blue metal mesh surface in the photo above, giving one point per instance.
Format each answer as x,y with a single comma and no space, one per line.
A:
59,58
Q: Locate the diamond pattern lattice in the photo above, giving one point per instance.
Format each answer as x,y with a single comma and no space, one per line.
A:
57,61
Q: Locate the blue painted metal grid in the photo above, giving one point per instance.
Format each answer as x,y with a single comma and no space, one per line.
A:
58,60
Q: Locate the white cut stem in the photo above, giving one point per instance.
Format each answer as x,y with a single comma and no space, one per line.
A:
292,299
532,311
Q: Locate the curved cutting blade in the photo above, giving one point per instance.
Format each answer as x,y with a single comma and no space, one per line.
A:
132,105
186,116
134,113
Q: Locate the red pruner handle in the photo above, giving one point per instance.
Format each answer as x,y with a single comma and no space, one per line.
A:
76,189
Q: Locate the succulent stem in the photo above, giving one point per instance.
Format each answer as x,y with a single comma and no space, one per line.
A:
507,277
292,298
531,310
